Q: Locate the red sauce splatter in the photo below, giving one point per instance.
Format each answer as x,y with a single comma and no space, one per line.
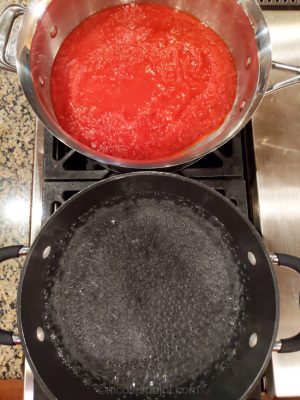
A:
142,82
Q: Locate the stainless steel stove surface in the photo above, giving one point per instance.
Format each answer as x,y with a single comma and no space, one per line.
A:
268,194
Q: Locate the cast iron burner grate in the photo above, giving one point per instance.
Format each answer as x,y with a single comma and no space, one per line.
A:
66,172
63,163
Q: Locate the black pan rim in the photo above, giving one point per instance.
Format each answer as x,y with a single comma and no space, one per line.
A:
128,176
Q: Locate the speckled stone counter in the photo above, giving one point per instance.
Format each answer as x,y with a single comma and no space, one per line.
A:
17,124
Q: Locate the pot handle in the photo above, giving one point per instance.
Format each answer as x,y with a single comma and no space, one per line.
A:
6,253
7,19
292,344
9,338
287,82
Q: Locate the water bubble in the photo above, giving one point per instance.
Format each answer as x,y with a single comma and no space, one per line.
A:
151,307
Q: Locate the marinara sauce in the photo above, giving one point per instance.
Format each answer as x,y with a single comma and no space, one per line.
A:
142,82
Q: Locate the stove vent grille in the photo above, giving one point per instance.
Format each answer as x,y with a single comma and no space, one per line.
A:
279,3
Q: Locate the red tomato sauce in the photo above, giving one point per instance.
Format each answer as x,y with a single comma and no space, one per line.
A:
142,82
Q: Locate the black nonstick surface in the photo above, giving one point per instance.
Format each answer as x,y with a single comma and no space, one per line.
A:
159,279
148,291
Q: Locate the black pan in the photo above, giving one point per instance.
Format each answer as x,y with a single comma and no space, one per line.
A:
148,282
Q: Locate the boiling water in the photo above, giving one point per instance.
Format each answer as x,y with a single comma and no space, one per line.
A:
146,293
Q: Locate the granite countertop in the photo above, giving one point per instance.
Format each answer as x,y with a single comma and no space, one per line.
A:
17,125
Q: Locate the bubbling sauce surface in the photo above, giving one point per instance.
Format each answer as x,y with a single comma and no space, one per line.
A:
142,82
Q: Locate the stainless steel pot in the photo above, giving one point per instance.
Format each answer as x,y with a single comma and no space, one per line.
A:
239,22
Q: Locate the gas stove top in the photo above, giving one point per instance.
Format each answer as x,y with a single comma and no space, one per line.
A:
267,194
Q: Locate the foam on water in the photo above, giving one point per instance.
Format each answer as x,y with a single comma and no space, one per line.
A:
146,293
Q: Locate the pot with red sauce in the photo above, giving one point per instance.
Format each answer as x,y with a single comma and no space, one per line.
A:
142,85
